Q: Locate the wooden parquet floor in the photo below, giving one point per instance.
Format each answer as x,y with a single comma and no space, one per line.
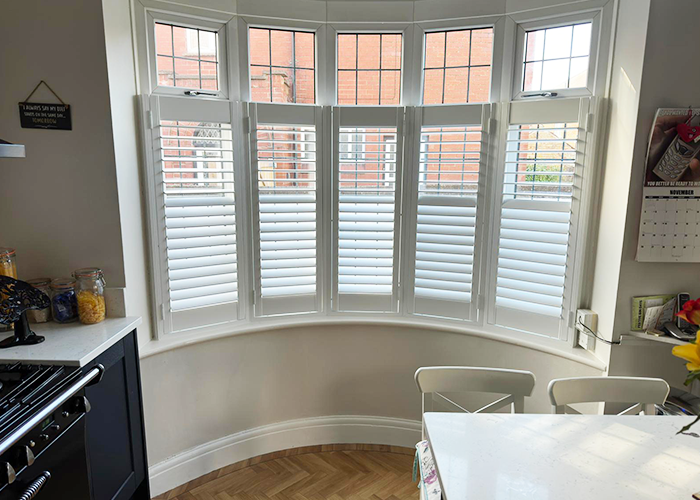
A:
333,472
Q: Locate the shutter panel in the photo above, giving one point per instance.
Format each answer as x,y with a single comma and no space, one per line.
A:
286,218
446,230
542,181
196,207
367,157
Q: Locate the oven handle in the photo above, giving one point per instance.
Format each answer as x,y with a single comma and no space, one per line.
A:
57,402
33,489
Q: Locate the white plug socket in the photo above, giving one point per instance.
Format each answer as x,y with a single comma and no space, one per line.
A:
590,319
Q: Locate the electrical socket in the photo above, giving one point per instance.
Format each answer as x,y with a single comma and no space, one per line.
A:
590,319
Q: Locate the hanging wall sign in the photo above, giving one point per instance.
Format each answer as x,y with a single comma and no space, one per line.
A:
45,115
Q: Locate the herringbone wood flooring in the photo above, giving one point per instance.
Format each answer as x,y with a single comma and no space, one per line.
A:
332,472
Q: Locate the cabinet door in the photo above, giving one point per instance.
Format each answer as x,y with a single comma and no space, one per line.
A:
115,441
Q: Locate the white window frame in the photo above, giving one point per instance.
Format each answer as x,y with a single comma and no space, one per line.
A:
519,65
149,75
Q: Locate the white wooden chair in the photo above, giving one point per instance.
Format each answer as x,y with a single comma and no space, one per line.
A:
434,380
644,392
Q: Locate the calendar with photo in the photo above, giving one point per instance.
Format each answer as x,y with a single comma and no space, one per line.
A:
670,221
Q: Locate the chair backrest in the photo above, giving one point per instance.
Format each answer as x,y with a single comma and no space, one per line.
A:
515,384
643,392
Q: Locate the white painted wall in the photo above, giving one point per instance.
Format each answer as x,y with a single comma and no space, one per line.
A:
206,391
59,206
124,111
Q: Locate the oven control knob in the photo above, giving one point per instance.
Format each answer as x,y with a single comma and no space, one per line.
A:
44,437
23,456
80,404
7,473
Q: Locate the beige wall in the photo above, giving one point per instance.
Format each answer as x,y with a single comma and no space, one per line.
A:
59,206
214,389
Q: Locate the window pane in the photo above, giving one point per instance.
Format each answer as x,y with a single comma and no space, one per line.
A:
432,86
456,82
579,72
368,88
482,47
555,74
558,42
181,54
281,48
346,87
347,51
305,92
368,51
391,51
164,40
260,84
277,58
304,50
458,44
581,45
479,84
467,50
369,69
259,46
557,58
533,76
435,50
391,88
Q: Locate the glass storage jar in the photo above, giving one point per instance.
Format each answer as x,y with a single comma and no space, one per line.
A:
64,305
40,315
91,295
8,265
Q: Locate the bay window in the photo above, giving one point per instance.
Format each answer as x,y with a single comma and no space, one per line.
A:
417,195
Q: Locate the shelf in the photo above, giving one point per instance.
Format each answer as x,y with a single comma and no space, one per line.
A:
8,150
654,338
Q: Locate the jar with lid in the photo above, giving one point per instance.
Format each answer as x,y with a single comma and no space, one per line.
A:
8,265
40,315
91,295
64,304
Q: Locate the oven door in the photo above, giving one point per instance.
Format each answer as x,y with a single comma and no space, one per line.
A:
66,462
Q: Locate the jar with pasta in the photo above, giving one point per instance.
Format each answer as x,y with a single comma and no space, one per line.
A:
8,265
91,295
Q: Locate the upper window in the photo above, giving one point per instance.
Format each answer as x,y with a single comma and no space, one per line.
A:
557,58
369,69
282,66
187,57
457,66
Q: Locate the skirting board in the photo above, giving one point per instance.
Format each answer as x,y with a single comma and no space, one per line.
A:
219,453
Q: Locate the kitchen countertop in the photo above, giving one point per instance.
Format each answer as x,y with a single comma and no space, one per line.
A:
72,344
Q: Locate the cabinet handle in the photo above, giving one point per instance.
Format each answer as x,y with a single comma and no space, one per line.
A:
36,486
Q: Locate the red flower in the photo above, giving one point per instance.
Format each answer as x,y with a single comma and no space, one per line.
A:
690,312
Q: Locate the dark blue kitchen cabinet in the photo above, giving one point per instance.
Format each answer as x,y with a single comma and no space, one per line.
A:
116,444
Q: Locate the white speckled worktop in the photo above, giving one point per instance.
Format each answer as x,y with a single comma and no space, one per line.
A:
568,457
71,344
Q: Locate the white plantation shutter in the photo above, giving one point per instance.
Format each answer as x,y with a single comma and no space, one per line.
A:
541,193
446,192
286,153
195,203
368,150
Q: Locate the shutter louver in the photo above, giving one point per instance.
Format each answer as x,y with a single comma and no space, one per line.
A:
287,206
543,163
194,160
366,184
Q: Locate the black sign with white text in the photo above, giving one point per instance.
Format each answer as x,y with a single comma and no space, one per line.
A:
49,116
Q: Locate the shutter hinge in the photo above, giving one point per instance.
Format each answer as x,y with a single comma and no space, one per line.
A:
589,122
150,118
246,125
252,294
490,125
572,318
481,302
162,311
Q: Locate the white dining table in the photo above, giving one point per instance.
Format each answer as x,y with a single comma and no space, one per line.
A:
563,457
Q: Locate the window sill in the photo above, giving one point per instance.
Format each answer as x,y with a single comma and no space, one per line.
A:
549,346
